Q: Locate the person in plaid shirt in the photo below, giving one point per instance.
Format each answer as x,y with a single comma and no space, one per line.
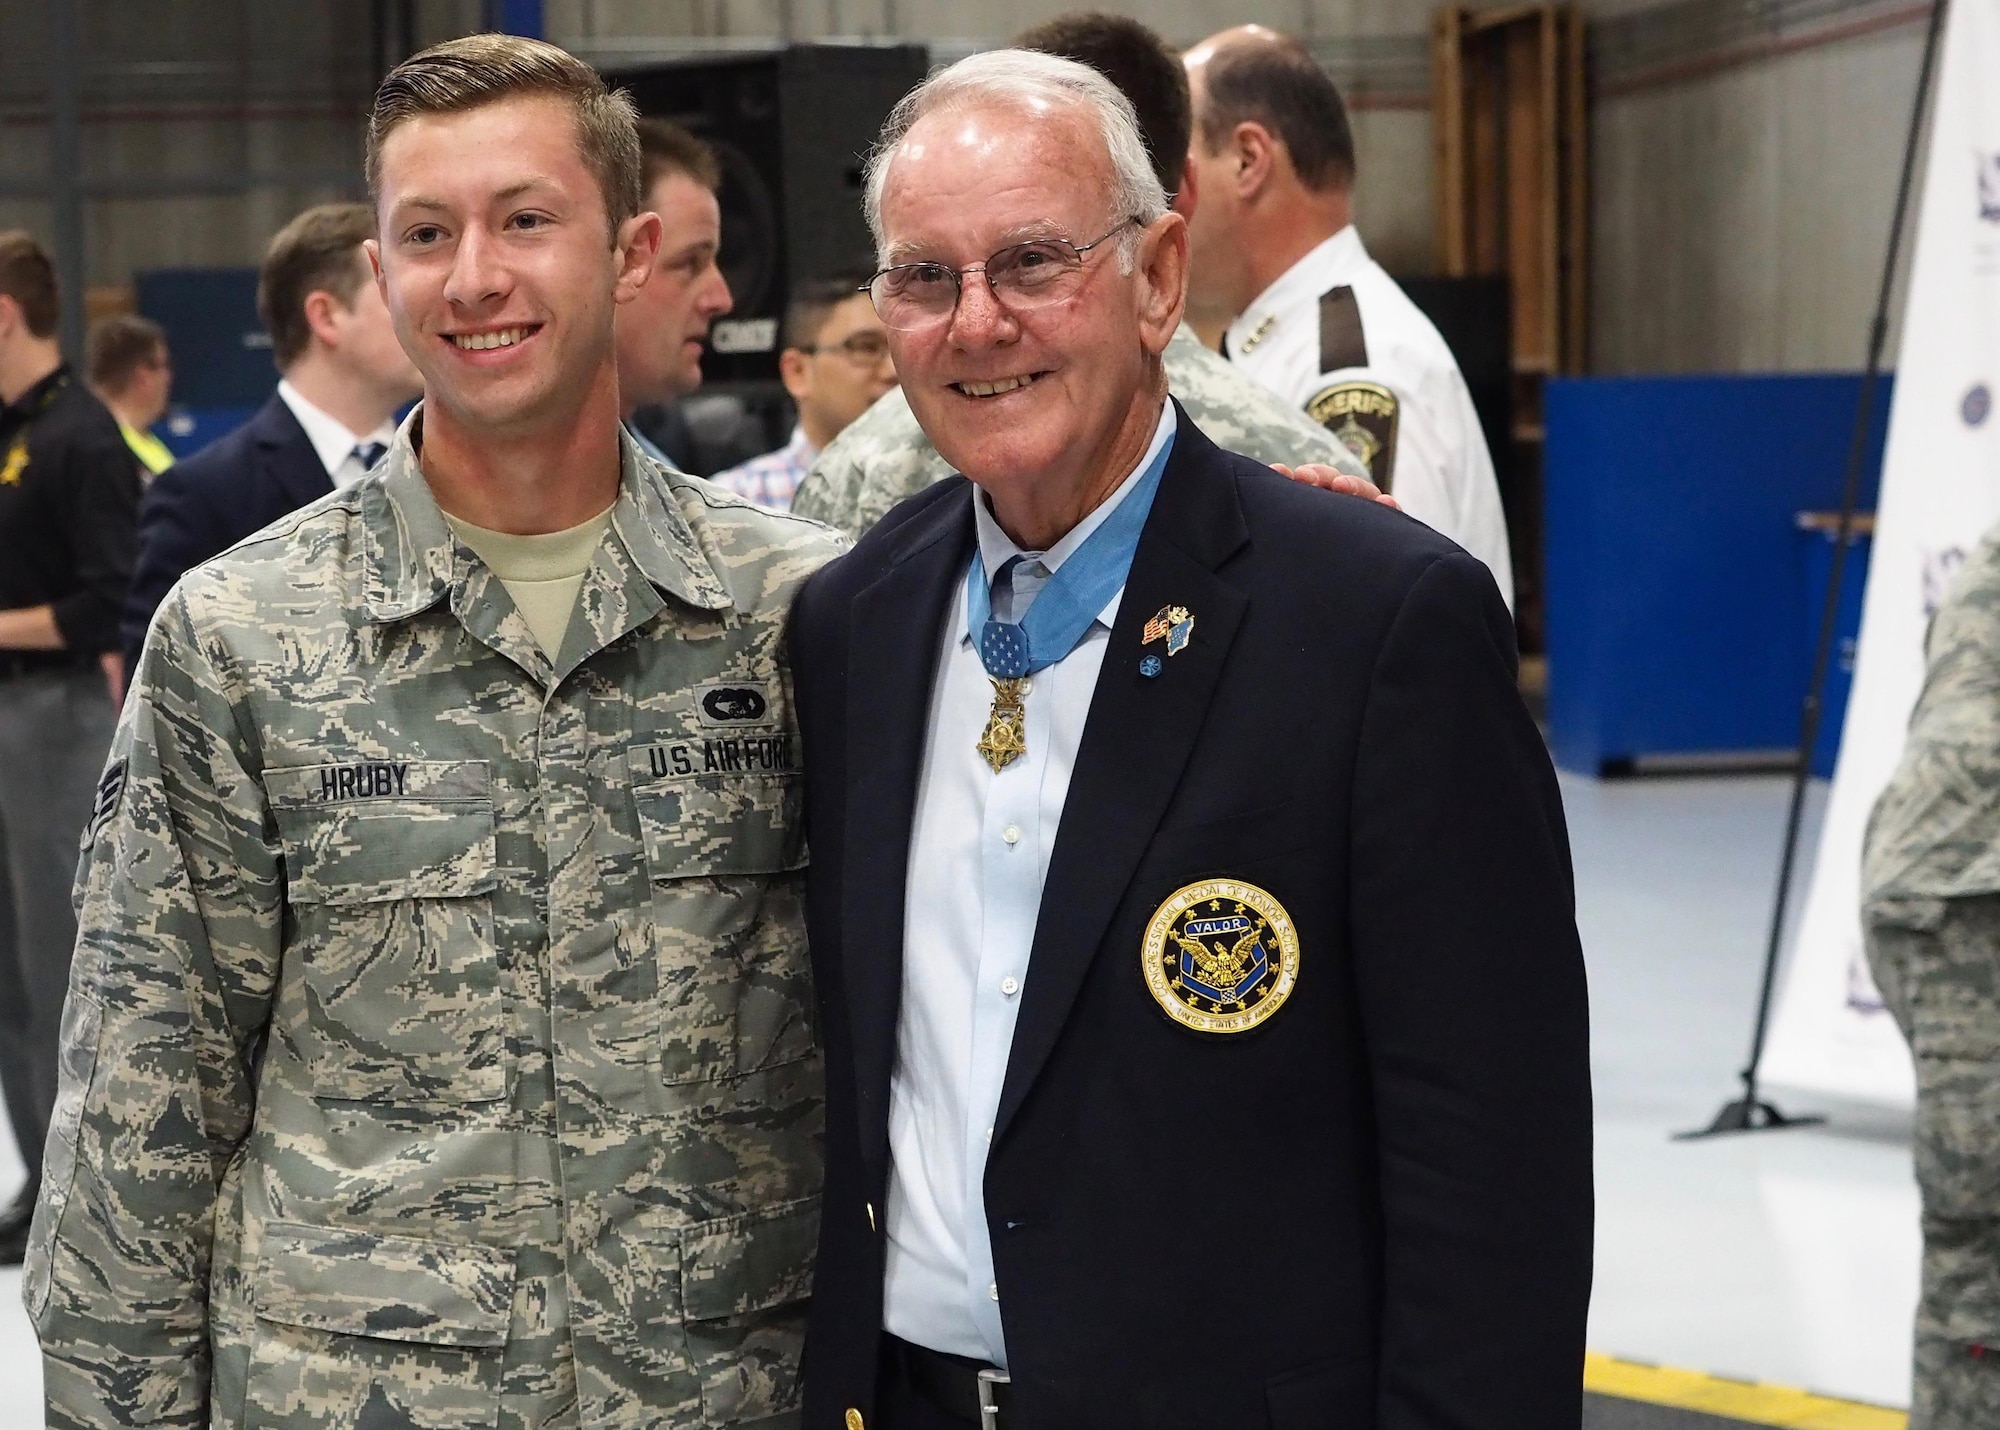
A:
836,365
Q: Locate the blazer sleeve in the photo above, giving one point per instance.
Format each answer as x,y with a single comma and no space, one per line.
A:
1474,1012
175,535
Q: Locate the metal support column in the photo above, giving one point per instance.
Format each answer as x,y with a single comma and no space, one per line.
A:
66,167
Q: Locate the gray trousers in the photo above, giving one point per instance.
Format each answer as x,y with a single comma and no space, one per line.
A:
55,730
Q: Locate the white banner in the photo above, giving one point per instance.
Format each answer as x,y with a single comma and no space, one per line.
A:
1940,492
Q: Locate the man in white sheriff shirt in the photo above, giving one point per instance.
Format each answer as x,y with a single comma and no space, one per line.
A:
1275,255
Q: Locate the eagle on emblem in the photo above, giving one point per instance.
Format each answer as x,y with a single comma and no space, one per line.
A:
1225,972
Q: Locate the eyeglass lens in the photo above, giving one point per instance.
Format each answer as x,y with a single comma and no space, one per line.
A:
1023,275
861,347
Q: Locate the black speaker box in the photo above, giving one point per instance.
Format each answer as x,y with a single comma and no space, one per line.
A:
792,127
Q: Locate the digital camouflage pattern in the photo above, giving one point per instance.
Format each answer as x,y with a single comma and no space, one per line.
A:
1931,920
884,456
439,1049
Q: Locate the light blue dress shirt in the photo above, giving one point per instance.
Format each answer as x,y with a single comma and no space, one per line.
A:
979,854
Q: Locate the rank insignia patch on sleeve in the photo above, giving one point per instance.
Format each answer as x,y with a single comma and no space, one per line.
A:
1362,417
110,790
1220,956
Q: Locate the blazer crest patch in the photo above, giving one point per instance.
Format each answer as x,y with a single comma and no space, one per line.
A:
1220,956
1362,418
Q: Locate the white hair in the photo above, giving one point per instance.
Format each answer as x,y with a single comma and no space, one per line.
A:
1021,79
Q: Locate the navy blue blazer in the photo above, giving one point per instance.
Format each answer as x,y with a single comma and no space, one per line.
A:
206,503
1370,1211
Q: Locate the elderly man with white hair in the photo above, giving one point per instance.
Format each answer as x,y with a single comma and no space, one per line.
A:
1190,904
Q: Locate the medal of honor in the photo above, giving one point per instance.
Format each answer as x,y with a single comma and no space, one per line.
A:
1005,738
1056,618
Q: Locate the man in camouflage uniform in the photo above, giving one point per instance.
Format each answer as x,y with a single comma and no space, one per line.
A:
884,456
1931,919
439,1049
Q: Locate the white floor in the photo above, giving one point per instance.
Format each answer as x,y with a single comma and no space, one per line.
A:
1780,1256
1788,1257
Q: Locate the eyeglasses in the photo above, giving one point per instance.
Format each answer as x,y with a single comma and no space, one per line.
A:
1021,277
861,349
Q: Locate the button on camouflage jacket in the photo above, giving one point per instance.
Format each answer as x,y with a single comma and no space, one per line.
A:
884,456
439,1049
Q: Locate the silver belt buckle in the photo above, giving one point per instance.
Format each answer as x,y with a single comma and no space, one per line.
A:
989,1409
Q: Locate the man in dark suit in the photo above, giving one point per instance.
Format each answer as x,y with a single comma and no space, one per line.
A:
343,377
1190,904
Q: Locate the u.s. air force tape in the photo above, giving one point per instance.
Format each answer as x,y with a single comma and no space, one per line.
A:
1362,418
1220,956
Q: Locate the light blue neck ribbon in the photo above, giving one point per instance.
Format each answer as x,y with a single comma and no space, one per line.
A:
1080,588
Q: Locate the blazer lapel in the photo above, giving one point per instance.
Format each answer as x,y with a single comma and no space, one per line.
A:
1135,742
291,462
895,626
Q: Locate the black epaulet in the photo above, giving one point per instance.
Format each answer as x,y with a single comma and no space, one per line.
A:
1342,344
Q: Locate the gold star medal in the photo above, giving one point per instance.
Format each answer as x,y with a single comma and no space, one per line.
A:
1005,738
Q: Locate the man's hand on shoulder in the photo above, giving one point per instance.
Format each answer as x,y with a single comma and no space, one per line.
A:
1318,474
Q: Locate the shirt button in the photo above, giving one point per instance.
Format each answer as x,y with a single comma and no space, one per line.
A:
993,1291
989,1135
1010,985
1012,834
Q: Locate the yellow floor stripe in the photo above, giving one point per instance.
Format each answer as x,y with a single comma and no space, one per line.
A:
1733,1399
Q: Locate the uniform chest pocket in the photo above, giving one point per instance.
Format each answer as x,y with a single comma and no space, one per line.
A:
725,853
392,990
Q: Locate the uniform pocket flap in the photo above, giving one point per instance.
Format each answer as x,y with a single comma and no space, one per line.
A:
727,824
738,1265
373,831
395,1288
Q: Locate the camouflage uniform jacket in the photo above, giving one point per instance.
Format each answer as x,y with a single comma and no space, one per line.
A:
439,1048
1931,921
884,456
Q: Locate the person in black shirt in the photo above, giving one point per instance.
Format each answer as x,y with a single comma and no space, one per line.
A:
69,495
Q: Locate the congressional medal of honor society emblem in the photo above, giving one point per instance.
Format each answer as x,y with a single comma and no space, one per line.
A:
1220,956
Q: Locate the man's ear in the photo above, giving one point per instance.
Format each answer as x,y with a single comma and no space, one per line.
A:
10,315
1256,152
319,309
371,254
638,247
1163,269
794,370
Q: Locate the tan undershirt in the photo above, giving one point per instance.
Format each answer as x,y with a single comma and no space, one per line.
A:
542,573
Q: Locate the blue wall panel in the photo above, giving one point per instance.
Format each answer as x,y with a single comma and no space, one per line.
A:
1677,581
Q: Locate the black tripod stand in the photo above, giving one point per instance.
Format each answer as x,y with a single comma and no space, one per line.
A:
1750,1113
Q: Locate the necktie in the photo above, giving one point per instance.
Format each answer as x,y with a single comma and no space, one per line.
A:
369,453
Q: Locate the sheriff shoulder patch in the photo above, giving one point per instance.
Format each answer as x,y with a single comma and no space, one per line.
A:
1362,417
